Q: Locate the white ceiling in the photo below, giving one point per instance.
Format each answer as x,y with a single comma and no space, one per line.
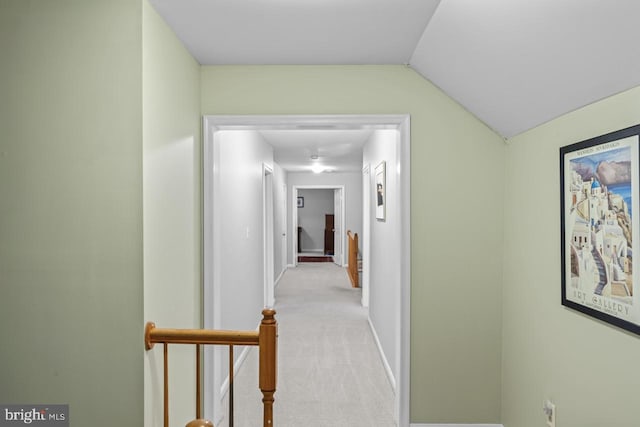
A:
513,63
336,150
298,31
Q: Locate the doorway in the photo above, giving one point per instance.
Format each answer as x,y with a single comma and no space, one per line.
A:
212,302
336,193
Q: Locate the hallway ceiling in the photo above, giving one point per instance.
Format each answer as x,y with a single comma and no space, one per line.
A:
514,64
337,150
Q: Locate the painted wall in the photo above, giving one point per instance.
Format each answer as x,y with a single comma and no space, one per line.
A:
171,197
457,166
280,231
71,306
352,182
550,352
317,203
384,263
242,154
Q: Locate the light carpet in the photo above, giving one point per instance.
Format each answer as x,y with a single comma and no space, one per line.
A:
329,369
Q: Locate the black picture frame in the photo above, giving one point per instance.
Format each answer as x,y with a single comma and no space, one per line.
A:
599,196
300,202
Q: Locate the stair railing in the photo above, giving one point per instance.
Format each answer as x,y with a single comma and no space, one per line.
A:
265,338
353,259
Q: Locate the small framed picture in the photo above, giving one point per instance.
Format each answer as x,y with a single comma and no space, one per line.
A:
381,191
300,202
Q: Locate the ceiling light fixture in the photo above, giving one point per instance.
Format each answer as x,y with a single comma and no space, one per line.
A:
314,157
317,169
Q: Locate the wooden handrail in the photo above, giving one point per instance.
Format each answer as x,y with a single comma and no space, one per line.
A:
265,339
155,335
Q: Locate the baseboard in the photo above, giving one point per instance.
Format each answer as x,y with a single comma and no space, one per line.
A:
236,367
385,363
456,425
277,281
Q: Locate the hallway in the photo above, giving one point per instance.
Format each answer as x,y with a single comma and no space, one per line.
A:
329,369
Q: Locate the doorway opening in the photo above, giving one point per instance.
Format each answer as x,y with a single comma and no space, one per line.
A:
214,126
326,240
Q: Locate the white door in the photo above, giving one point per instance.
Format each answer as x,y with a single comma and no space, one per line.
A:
284,228
338,232
267,234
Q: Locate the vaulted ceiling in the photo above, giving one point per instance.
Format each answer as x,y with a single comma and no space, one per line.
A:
514,64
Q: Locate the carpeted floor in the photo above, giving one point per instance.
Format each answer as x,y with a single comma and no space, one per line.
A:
329,370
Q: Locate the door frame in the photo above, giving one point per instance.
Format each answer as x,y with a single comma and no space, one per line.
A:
211,286
268,234
294,219
366,233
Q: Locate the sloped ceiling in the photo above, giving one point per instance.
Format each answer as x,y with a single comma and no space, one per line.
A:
514,64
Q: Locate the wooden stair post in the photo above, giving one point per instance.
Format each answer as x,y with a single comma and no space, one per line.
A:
268,357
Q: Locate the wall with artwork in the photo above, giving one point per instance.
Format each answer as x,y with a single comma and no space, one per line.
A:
380,157
585,366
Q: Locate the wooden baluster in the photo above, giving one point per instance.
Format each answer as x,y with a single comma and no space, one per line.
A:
230,386
268,356
198,410
166,385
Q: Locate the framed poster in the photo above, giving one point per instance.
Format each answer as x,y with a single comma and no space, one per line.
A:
599,241
300,202
381,191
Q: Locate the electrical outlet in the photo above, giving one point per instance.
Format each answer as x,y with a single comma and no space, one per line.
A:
550,413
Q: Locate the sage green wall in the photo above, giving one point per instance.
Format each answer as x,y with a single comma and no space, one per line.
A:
550,352
172,193
457,168
71,208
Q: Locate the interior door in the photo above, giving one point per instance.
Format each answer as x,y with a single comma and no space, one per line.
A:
284,227
338,237
329,234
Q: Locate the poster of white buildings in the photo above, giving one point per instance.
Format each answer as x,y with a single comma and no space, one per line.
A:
600,201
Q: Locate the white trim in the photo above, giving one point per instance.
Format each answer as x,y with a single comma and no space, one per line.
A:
267,234
383,358
214,123
456,425
366,234
275,282
403,397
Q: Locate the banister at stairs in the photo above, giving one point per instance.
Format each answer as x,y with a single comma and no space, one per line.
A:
265,339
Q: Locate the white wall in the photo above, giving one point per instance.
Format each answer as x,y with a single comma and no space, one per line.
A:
352,182
171,197
384,262
241,157
311,217
234,247
280,214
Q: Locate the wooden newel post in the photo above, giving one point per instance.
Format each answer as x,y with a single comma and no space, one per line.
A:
268,362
